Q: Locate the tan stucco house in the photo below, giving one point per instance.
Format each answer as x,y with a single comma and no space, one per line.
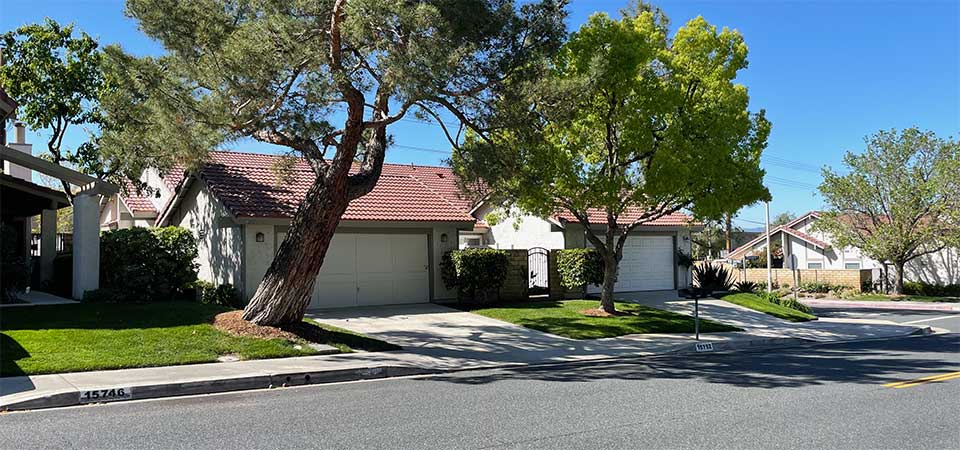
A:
389,244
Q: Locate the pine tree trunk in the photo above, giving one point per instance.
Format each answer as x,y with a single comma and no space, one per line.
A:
898,284
285,292
609,280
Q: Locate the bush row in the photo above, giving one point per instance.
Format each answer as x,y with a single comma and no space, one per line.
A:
579,267
478,273
931,290
147,265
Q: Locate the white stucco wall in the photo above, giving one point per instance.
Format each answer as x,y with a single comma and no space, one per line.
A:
941,268
153,179
524,232
219,246
257,255
831,258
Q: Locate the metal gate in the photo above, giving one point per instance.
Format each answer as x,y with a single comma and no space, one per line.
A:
537,264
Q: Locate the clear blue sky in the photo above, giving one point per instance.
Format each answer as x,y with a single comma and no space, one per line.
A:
827,72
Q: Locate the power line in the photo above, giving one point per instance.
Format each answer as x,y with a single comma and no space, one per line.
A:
422,149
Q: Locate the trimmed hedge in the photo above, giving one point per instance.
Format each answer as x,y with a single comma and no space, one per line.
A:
147,264
579,267
224,294
479,273
931,290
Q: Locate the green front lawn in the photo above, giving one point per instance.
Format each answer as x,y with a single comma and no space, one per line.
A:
756,303
95,336
565,318
904,298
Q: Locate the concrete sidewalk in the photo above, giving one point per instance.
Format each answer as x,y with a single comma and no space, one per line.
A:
435,339
863,304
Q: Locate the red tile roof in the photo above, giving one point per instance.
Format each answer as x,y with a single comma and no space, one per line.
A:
249,187
137,201
599,217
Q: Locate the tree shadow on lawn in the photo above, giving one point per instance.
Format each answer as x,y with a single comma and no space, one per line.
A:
874,362
108,316
10,352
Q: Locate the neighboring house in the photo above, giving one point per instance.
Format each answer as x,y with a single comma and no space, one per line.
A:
389,243
649,255
811,249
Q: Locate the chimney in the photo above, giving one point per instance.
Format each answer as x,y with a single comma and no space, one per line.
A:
21,134
19,144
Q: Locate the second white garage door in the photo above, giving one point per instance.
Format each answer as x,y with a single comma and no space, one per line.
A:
647,265
373,269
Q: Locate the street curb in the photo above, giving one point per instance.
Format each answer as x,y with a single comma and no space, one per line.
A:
71,397
905,306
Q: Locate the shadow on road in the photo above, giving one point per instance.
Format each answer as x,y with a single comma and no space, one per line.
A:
862,363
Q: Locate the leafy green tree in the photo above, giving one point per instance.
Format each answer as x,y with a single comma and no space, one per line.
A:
279,71
56,77
898,200
782,219
630,125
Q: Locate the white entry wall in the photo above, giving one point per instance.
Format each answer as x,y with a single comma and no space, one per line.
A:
372,269
647,265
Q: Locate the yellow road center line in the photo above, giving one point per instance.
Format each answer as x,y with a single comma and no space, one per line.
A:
924,380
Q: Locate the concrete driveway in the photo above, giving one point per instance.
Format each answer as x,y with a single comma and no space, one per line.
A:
446,333
460,339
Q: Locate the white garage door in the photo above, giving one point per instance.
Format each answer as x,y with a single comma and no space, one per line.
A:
373,269
647,265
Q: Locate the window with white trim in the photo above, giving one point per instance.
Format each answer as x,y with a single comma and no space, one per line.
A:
851,266
814,265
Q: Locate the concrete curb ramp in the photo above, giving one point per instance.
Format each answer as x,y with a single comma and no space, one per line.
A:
67,394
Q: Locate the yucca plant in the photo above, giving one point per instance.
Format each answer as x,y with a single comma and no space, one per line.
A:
746,287
711,277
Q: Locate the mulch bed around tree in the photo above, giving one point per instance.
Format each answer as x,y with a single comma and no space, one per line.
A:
232,323
597,312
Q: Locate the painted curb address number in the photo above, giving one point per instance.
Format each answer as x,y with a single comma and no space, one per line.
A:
106,395
705,347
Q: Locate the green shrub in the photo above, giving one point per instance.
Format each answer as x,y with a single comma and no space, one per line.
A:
712,277
746,287
793,303
224,294
14,268
772,297
479,273
107,295
931,290
819,287
579,267
155,264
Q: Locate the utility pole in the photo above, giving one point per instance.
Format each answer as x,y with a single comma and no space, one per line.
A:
769,253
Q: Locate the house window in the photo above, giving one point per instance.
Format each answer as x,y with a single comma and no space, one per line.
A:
852,266
474,242
814,265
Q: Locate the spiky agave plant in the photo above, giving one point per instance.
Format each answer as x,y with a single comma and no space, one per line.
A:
712,277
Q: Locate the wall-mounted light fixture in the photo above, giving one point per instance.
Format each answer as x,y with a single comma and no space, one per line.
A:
260,237
443,238
686,238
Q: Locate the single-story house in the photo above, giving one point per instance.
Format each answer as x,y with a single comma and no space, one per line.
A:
649,255
812,249
389,244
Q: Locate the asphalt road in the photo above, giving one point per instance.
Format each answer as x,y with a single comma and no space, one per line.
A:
830,397
936,319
